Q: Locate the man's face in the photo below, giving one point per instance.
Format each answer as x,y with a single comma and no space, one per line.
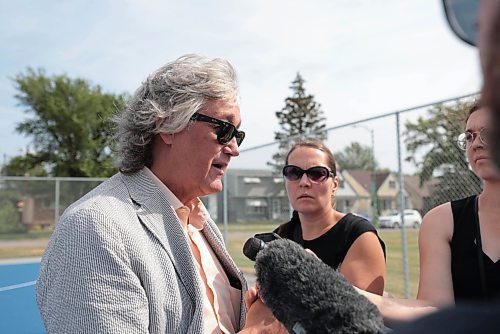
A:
196,160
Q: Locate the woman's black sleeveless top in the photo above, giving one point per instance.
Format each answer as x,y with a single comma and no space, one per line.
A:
333,245
465,269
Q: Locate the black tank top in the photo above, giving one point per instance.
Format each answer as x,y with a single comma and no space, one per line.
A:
332,246
465,271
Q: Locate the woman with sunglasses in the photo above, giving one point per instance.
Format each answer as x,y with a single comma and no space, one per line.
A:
343,241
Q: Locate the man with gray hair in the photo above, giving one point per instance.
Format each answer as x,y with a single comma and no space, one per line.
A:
140,253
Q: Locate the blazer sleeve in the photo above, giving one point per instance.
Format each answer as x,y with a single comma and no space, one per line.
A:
87,284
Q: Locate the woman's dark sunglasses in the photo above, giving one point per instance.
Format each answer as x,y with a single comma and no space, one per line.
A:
226,131
315,174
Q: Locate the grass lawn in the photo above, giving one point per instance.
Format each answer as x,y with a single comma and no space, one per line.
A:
20,252
31,235
237,234
28,244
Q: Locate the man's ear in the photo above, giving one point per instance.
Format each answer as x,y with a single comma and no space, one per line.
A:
167,138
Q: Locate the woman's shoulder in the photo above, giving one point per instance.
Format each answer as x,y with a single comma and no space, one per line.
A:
286,230
461,206
356,223
442,209
438,222
356,226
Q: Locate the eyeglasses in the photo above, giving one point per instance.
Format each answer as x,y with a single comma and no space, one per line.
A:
226,130
315,174
467,138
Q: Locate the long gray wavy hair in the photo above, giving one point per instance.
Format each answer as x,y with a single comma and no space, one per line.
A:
165,102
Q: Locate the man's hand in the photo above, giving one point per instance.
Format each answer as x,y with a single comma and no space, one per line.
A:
260,319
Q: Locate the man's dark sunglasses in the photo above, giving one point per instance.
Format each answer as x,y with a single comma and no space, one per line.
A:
315,174
226,131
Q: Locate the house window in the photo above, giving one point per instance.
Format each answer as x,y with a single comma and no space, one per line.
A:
251,180
252,210
392,184
255,206
386,204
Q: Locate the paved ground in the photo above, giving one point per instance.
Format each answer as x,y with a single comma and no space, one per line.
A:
249,275
20,260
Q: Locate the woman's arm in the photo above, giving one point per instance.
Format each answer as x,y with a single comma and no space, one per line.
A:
436,231
396,311
435,285
364,264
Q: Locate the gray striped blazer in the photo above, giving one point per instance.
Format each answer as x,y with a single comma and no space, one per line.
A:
119,262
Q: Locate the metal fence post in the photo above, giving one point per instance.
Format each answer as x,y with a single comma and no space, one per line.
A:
56,201
401,211
224,200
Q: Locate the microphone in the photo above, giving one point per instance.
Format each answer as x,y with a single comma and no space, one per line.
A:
257,243
308,296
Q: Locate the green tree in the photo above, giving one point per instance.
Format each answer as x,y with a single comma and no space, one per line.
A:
24,165
300,118
431,142
356,156
10,218
70,123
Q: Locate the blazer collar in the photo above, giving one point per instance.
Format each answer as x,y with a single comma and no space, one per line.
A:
158,216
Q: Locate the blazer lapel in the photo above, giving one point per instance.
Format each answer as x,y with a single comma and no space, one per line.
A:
158,217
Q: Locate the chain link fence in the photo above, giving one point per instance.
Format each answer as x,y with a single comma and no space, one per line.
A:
419,166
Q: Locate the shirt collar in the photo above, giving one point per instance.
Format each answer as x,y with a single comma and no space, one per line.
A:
172,199
198,213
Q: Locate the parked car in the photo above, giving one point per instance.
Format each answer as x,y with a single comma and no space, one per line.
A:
412,218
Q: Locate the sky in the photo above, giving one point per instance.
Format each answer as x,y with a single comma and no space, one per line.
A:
359,58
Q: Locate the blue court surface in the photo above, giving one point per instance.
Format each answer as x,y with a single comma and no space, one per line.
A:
18,310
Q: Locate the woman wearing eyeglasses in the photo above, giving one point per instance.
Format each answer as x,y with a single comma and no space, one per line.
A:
343,241
459,241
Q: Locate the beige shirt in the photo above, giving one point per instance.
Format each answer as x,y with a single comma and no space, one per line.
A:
221,306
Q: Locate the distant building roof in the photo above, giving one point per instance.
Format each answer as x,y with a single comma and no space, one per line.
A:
413,182
250,172
364,177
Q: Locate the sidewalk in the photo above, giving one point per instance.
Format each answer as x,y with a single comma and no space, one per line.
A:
20,260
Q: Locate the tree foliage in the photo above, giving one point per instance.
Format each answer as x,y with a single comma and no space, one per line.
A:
434,139
10,221
70,124
300,118
356,156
